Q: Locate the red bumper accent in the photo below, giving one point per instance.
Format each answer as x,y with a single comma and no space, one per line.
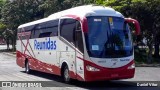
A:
41,66
108,73
36,64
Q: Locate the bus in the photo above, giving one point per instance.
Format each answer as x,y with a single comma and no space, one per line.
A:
86,43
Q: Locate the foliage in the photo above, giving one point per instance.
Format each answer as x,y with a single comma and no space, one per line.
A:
16,12
147,12
52,6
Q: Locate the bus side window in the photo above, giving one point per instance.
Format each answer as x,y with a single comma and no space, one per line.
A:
32,34
52,26
45,34
21,36
67,29
36,33
78,37
33,31
45,29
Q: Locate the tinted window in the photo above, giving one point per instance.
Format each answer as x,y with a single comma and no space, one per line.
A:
29,28
79,39
108,37
67,29
45,34
53,30
70,30
52,23
45,29
22,34
18,31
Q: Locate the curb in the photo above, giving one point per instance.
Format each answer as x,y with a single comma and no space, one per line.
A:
10,54
148,65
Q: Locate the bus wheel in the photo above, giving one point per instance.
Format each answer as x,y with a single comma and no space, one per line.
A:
27,69
66,76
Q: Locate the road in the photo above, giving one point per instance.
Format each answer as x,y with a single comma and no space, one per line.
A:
9,71
4,47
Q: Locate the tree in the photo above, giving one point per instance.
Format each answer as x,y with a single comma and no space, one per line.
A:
52,6
17,12
3,26
2,3
147,12
5,34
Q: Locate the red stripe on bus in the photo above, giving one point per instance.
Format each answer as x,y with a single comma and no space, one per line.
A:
38,65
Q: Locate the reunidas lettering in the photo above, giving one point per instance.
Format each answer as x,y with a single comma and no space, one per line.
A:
48,44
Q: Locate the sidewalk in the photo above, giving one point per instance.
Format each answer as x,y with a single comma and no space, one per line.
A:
10,53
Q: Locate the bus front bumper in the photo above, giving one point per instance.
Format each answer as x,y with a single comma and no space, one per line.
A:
110,73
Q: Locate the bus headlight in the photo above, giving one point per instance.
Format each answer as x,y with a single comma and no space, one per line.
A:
90,68
132,66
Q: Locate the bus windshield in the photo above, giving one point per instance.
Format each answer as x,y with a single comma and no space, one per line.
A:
108,37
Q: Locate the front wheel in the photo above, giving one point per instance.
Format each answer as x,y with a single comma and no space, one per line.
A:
66,76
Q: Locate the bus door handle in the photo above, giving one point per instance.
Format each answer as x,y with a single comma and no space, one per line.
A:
38,52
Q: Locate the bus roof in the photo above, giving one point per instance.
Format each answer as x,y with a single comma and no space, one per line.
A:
80,11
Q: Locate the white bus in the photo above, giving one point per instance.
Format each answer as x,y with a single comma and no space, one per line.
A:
87,43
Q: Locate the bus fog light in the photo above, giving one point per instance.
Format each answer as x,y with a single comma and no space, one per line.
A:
132,66
90,68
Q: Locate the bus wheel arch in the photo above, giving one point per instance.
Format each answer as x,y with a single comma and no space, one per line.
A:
27,68
65,72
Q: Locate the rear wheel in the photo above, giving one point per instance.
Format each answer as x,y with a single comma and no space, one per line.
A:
66,76
27,68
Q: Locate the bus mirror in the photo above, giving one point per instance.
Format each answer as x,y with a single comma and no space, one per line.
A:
136,24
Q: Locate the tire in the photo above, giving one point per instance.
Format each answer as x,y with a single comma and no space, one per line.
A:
27,68
66,76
